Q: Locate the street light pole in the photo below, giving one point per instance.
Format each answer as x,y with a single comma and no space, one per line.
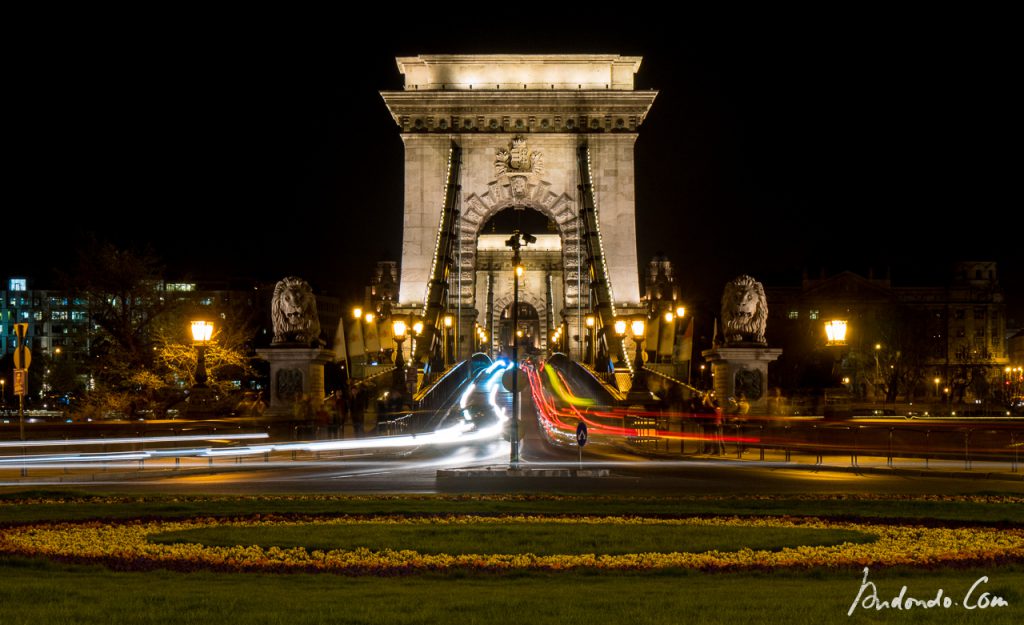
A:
201,398
445,336
518,271
202,331
517,241
639,328
398,332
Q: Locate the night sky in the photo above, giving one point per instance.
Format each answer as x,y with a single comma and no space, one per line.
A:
768,150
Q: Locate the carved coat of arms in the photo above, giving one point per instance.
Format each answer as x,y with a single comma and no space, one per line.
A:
517,164
518,160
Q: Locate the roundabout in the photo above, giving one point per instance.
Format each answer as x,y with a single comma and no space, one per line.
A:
389,545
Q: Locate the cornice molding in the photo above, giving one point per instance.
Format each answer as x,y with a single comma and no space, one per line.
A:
519,111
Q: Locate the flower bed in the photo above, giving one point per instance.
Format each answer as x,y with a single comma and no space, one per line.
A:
125,545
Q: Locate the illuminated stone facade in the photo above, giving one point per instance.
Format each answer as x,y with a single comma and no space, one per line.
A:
520,122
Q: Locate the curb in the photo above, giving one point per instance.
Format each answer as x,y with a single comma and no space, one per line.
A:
948,474
524,473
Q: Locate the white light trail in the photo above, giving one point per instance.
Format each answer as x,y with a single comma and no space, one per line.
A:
133,440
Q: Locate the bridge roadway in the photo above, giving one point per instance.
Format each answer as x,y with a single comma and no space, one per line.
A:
469,434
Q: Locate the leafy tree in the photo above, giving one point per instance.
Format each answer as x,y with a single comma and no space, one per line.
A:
226,358
905,346
139,347
121,288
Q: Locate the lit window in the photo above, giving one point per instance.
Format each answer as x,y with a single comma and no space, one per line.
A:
38,316
794,314
206,301
60,315
17,284
78,315
813,313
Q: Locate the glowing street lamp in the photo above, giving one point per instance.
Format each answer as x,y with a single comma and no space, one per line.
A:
398,330
681,311
937,380
835,330
357,313
202,332
447,325
638,326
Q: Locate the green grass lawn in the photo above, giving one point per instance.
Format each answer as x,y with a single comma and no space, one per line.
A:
537,538
34,592
37,591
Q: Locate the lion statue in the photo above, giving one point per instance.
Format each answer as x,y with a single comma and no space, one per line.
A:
744,312
293,312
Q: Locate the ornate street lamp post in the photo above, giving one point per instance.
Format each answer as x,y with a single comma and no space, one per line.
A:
398,329
445,335
638,326
620,333
399,332
835,332
202,331
201,400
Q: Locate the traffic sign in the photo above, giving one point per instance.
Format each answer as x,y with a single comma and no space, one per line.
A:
22,354
22,357
581,434
506,381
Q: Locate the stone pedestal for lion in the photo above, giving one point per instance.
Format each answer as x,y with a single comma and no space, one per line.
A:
742,372
296,354
739,360
294,371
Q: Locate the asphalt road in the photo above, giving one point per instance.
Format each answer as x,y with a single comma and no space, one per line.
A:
415,471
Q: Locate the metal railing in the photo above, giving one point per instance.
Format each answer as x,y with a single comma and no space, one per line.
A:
957,443
432,401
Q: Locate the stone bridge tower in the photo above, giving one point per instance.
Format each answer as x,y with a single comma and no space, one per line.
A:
526,130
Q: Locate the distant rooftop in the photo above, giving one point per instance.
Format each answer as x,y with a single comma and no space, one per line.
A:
519,71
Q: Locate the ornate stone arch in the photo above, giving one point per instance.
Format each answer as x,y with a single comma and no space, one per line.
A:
503,302
477,209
